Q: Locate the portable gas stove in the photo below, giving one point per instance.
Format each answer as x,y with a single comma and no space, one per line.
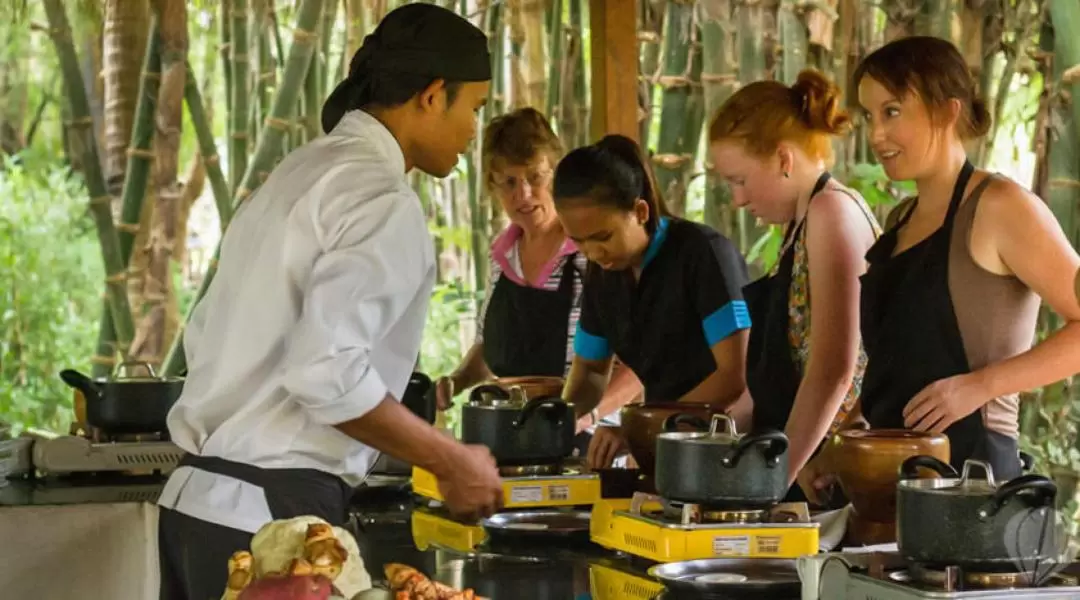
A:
72,454
884,576
652,528
616,580
432,529
530,486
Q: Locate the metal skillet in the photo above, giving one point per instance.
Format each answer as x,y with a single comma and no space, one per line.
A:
537,526
730,578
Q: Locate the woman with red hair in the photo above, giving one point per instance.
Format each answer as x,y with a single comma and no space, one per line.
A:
772,143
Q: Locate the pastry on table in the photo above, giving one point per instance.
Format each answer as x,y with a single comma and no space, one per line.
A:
299,556
407,583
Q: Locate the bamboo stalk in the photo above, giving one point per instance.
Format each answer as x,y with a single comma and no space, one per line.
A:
207,148
267,73
238,143
311,99
329,19
85,145
224,28
649,39
557,31
793,42
674,149
718,81
579,16
270,140
134,190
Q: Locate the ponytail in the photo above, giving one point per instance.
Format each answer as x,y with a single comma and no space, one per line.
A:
612,172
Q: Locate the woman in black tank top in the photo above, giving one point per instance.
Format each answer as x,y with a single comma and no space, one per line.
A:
921,106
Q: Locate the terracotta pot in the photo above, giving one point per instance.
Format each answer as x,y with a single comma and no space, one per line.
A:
641,423
867,465
534,387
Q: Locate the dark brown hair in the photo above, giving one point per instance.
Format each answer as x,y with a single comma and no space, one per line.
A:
518,137
765,113
612,172
935,71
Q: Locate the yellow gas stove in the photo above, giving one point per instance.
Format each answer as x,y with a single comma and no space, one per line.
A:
432,529
569,486
611,580
641,526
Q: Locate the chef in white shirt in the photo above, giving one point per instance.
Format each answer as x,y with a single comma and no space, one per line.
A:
306,340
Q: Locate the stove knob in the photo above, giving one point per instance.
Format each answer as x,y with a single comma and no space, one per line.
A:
832,579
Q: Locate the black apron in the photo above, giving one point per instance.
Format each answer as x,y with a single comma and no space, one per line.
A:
193,554
912,338
771,374
526,328
526,331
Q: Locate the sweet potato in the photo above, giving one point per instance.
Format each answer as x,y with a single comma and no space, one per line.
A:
289,587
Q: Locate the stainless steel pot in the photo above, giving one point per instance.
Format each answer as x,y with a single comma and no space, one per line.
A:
719,467
974,523
517,429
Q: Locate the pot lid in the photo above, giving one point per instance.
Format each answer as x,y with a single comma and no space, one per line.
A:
966,484
715,435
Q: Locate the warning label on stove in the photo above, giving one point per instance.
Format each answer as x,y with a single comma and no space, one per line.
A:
559,492
532,493
731,545
768,544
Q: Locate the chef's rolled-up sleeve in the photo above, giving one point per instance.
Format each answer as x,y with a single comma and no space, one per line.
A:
371,268
719,273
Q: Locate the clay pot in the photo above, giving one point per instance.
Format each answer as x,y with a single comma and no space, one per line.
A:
641,423
867,466
534,387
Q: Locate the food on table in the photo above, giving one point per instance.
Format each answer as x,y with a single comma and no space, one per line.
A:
297,556
407,583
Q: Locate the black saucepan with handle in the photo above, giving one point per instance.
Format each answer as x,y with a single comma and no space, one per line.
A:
969,522
720,467
123,404
518,430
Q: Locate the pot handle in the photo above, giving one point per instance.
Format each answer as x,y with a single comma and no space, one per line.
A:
1041,487
910,467
133,363
82,383
1027,462
694,421
777,445
552,404
477,393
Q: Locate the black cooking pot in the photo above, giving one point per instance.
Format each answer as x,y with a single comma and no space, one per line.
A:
419,397
127,405
518,430
720,468
974,523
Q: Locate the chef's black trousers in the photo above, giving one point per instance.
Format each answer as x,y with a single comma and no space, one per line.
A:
194,554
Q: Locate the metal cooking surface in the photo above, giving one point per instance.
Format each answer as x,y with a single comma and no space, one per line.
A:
551,521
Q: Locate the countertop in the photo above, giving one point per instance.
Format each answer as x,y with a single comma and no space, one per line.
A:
382,523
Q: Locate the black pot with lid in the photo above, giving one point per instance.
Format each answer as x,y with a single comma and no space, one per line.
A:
518,430
719,467
975,523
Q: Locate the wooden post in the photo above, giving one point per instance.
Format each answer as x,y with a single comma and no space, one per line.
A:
613,25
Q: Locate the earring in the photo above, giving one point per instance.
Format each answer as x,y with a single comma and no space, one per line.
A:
786,175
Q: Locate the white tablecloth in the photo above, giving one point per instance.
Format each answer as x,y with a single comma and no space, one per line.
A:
84,551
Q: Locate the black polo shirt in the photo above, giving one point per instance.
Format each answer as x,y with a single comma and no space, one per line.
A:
688,299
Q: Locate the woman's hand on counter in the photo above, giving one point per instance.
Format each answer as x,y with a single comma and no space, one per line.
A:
816,478
606,444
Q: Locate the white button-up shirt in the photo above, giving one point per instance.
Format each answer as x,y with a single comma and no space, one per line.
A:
315,314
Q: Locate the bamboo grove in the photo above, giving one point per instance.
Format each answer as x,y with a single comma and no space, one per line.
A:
256,94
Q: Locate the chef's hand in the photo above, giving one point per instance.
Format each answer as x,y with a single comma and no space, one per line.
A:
472,488
444,392
945,402
606,444
816,480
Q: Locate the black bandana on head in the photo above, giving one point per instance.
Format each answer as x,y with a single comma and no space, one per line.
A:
416,39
